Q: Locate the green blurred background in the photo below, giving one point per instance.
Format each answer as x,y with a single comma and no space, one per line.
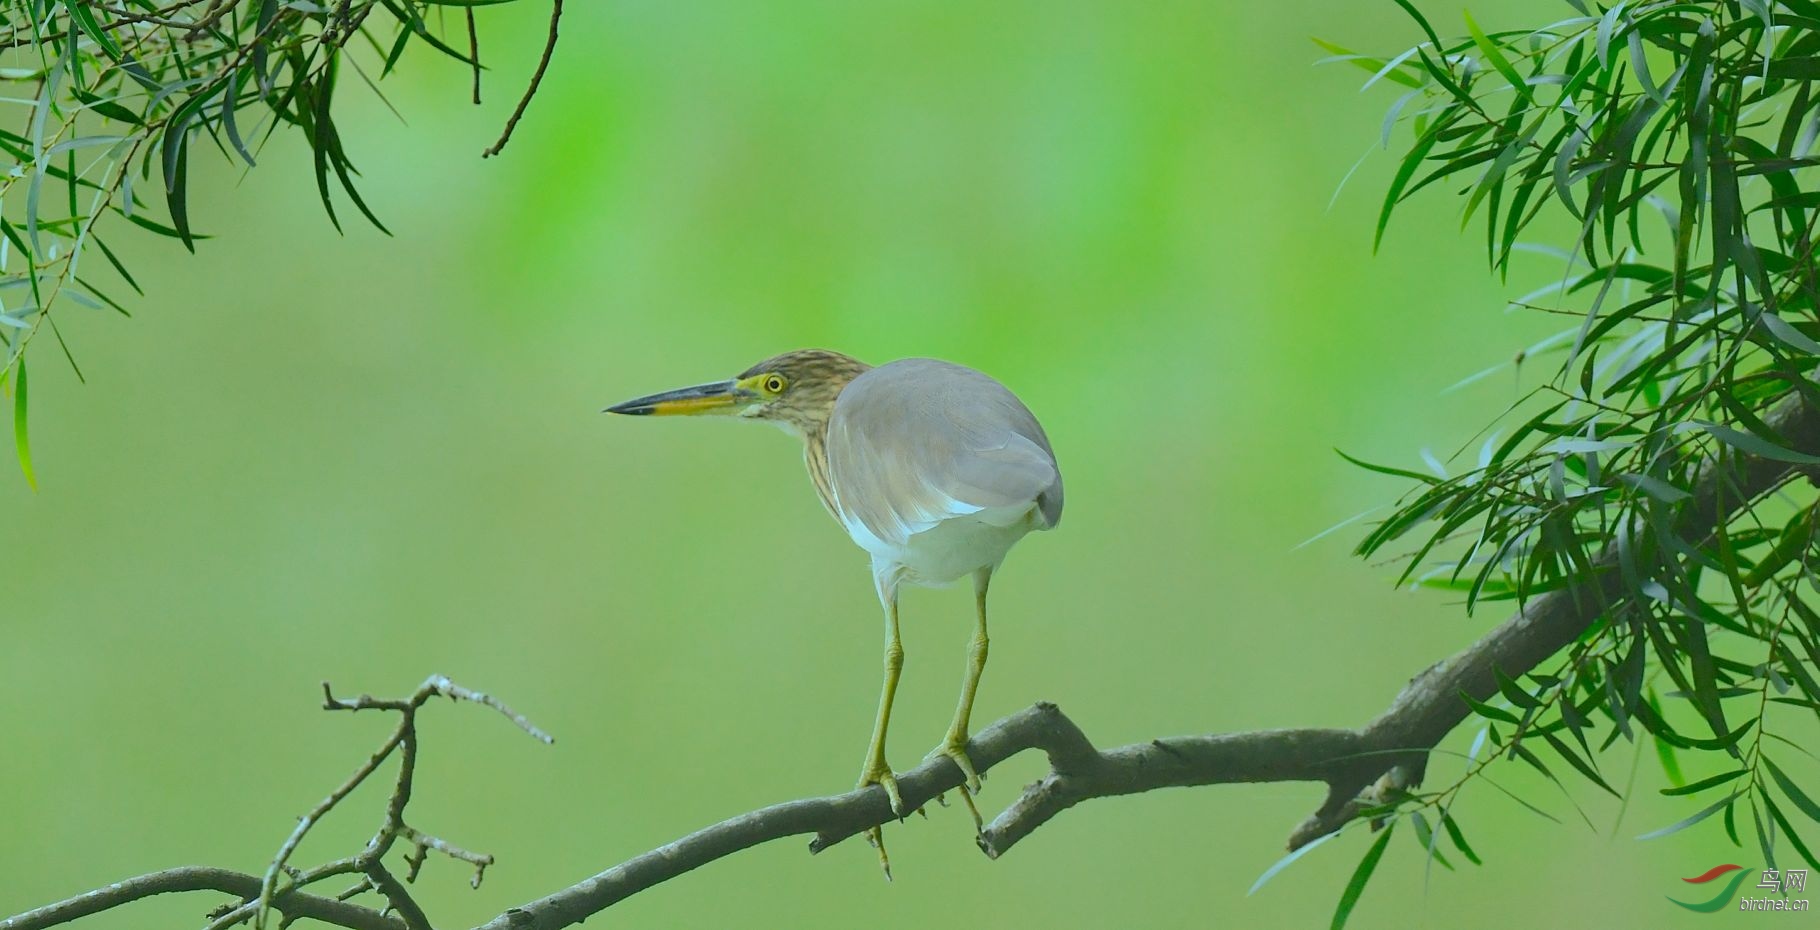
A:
365,459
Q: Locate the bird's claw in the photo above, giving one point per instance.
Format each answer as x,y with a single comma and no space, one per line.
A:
876,837
878,773
955,748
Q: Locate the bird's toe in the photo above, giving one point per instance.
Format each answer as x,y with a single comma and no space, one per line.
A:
881,774
955,748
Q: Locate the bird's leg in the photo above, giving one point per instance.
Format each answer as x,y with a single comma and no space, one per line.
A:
876,770
955,746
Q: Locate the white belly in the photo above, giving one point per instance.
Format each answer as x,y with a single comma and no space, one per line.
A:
951,549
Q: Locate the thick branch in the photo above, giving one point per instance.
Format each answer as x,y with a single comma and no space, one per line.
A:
1278,755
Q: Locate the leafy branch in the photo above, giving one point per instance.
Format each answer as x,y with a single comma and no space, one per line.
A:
1663,154
115,98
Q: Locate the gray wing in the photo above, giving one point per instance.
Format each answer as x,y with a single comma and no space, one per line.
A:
919,441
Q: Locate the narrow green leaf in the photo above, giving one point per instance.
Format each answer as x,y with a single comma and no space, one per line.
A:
1704,783
1655,487
1706,687
85,20
1518,798
1488,711
1783,330
107,108
1704,813
1356,885
176,195
1764,840
1496,57
1799,69
398,45
119,268
1603,34
1387,470
1427,837
1583,766
21,438
1379,68
1422,21
140,221
1405,171
1459,839
408,17
1515,693
1639,66
1788,830
1801,800
1284,862
1754,445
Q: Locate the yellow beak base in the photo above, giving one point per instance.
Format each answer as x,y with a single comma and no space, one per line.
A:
718,397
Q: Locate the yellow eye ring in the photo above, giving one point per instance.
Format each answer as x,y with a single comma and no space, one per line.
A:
774,384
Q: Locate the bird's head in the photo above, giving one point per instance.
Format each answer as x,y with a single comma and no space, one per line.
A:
795,390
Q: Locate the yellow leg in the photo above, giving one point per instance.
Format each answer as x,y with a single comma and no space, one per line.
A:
876,770
955,745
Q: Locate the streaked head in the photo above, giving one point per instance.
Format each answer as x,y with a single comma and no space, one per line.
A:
795,390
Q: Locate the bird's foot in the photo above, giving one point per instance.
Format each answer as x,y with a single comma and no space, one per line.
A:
876,837
877,772
955,748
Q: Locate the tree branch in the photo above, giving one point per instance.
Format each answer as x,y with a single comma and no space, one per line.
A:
543,64
1356,765
202,878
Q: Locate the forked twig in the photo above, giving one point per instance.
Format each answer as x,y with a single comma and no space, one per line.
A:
403,741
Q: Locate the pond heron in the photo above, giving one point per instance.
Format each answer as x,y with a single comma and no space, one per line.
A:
936,470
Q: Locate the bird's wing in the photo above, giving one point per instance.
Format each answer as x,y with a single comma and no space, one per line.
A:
919,441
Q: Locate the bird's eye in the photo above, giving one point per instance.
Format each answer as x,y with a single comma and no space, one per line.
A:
774,384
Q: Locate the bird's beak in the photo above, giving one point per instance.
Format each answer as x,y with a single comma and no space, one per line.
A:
719,397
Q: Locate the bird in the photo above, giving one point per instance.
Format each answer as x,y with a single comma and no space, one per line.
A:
934,469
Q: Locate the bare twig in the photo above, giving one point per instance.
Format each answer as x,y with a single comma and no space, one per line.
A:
201,878
440,685
398,897
403,740
128,16
424,842
543,63
210,16
233,914
474,53
269,884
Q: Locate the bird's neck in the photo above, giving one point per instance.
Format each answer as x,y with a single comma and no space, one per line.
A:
815,456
